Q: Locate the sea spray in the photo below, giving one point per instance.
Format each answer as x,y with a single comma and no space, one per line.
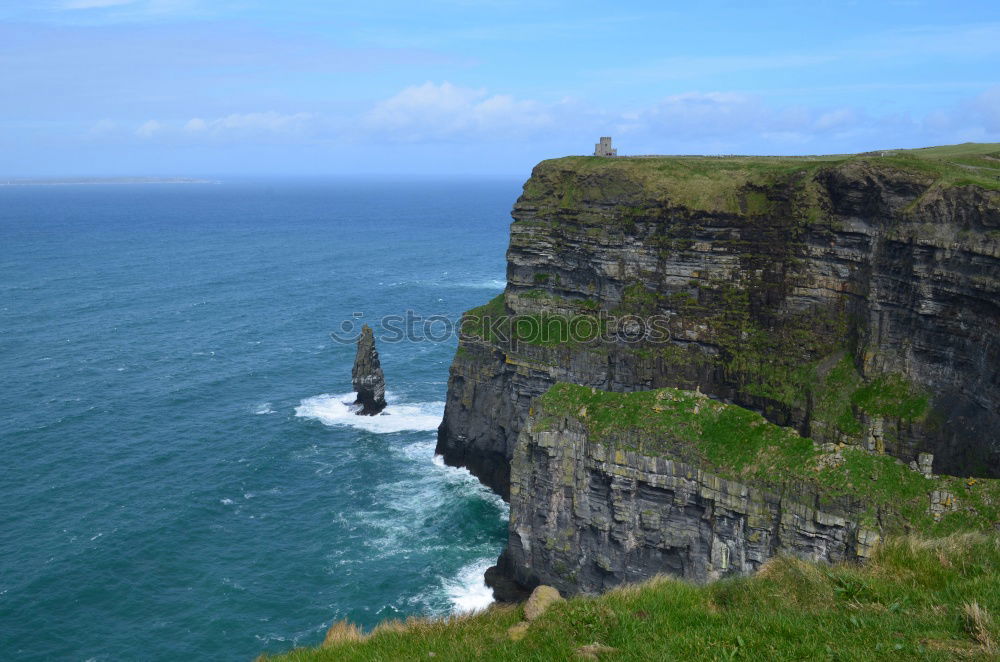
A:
339,410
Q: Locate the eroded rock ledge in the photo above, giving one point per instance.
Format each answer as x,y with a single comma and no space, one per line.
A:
615,488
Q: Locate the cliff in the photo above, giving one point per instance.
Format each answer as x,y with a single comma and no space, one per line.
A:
852,302
854,298
610,488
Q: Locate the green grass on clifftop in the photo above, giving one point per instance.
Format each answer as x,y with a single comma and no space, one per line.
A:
968,164
479,321
717,183
914,600
738,444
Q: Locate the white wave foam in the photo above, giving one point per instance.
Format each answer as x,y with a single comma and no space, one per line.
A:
491,284
419,450
337,410
422,451
263,408
435,283
468,591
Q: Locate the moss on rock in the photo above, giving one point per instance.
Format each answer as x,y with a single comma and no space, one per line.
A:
738,444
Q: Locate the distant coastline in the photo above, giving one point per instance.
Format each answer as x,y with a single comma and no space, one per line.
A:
75,181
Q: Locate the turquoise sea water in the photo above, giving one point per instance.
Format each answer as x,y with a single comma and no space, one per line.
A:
180,478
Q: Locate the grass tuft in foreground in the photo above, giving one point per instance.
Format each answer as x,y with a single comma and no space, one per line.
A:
924,599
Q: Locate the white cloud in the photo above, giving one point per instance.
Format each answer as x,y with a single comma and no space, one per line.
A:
102,128
115,11
719,120
976,119
195,125
267,122
94,4
727,122
445,115
835,119
237,126
986,109
250,124
691,121
445,110
149,129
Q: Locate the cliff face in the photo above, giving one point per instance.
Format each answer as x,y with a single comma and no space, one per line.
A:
612,488
587,516
854,299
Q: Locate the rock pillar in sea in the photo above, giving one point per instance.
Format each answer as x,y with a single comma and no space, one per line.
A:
367,377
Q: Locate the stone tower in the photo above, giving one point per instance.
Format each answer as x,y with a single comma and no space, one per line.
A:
604,147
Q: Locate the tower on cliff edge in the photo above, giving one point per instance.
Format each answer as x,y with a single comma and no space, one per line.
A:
604,147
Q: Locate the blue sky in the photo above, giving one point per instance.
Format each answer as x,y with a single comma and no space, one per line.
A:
487,88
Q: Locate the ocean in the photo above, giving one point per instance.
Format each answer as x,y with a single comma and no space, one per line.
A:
181,477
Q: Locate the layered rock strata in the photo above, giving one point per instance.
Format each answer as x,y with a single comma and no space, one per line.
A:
585,518
609,489
855,299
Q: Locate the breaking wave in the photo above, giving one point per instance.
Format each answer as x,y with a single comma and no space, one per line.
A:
468,591
338,410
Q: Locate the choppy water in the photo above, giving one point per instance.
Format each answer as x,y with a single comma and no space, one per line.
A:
180,476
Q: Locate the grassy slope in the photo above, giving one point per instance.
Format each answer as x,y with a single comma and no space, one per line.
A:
739,444
928,600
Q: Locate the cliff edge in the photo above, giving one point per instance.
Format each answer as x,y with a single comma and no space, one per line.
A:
855,299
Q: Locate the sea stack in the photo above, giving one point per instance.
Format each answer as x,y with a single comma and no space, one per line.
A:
367,377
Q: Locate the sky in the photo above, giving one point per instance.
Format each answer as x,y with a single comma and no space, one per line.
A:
466,88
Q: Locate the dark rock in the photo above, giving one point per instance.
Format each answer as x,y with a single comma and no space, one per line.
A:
500,578
367,377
